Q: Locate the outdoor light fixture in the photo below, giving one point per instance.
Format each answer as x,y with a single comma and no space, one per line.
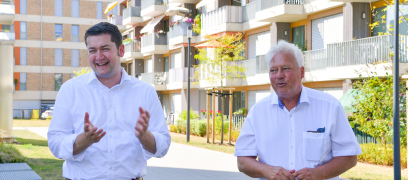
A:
159,60
363,15
140,64
285,32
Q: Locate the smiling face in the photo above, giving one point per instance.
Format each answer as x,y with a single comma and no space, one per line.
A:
104,57
286,75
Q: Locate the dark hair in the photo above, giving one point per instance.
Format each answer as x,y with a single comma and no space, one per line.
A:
105,28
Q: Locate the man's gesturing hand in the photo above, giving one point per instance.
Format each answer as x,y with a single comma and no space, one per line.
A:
307,174
92,133
276,172
142,123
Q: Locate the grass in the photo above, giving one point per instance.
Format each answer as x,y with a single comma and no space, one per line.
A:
38,156
31,123
359,172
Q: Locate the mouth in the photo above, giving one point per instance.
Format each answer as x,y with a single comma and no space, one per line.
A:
102,64
281,84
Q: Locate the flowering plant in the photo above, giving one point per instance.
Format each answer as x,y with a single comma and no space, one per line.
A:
110,15
204,111
126,41
160,31
197,24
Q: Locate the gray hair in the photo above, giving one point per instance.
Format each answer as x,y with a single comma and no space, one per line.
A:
284,47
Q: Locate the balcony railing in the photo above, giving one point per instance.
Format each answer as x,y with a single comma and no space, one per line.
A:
356,52
248,12
7,36
181,74
132,47
265,4
115,19
6,8
157,78
154,39
225,14
179,30
147,3
133,11
256,66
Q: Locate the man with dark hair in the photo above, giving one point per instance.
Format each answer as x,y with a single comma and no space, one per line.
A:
296,132
107,124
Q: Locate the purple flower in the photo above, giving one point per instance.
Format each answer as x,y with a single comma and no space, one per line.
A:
189,20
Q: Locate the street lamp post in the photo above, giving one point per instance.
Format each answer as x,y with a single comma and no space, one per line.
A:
189,34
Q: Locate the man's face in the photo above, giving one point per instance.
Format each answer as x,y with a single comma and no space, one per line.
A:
104,57
286,75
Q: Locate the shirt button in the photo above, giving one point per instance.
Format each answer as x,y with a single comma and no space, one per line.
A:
110,168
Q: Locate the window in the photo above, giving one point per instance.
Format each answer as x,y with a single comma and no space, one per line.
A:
5,28
75,8
23,81
75,33
57,81
58,32
58,57
23,30
58,8
23,6
23,56
99,11
75,57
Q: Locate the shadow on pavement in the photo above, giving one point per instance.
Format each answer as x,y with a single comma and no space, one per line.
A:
160,173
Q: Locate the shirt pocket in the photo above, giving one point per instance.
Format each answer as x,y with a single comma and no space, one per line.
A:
313,146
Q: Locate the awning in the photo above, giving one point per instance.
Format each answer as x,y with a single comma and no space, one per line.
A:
150,26
203,3
111,6
180,11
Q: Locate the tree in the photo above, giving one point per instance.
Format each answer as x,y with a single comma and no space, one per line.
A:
221,61
374,106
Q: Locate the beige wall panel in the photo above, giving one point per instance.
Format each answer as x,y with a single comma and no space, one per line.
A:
67,57
33,81
83,55
48,56
66,32
48,7
67,8
105,4
65,77
34,7
48,82
48,32
87,9
82,31
33,31
33,57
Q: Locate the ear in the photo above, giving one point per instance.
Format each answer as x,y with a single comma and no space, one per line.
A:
122,50
302,72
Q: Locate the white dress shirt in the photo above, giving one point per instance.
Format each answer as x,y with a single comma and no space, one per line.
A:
279,137
119,154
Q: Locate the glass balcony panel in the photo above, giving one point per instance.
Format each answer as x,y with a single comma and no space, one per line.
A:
265,4
7,36
179,30
225,14
6,8
154,39
133,11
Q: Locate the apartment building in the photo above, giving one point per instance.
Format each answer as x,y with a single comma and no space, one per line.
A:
334,35
47,45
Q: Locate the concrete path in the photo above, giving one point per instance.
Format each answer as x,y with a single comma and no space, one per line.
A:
183,162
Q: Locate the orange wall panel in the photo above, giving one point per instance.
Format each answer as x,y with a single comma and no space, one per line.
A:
17,29
17,76
17,55
16,6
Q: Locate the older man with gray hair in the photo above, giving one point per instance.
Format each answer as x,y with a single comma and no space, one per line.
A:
296,132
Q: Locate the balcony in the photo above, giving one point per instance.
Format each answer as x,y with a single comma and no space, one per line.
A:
157,79
6,13
115,19
7,36
313,6
226,18
178,78
153,8
154,43
280,11
184,1
132,51
131,15
178,34
344,58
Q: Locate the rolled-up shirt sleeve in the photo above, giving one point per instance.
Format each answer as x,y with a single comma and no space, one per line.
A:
61,136
344,142
246,142
157,126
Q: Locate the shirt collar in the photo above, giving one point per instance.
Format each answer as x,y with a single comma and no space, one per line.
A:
303,98
125,77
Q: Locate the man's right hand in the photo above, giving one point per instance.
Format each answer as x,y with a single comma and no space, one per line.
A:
92,133
277,172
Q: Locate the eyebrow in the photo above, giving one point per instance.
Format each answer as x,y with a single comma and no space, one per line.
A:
103,46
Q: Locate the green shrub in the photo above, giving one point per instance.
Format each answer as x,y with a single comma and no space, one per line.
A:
200,128
183,115
218,125
181,126
377,154
234,135
9,154
173,128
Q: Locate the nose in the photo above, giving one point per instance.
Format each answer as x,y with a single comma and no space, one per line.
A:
99,55
280,74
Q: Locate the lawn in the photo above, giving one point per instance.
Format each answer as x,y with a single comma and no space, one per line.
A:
39,157
30,123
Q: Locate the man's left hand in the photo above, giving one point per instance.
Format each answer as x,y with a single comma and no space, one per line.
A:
142,123
306,174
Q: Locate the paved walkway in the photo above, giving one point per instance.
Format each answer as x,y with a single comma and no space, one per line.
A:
183,162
